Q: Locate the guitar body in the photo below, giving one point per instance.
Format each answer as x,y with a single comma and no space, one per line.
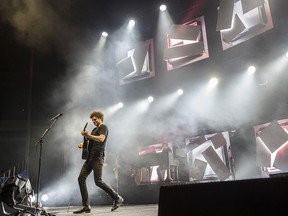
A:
85,146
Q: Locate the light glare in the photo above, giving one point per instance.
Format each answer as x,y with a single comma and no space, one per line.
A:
163,7
150,99
120,105
44,197
104,34
179,91
251,69
131,23
213,82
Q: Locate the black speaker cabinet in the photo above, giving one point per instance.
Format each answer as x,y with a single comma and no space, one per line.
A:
265,196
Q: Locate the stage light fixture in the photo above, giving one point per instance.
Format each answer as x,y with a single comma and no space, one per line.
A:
150,99
251,69
44,197
104,34
163,7
131,23
114,108
120,105
213,82
180,92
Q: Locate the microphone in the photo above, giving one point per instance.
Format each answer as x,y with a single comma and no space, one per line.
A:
57,116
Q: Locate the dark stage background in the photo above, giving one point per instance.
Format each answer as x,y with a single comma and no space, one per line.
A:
47,66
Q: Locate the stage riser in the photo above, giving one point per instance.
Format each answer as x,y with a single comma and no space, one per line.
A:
242,197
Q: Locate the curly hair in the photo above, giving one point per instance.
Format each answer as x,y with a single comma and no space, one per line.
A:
97,114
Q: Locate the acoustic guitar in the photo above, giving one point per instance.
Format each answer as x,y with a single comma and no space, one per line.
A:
85,145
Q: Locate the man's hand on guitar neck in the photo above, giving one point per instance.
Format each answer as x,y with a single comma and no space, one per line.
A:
85,133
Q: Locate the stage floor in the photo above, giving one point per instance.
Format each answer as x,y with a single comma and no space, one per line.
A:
123,210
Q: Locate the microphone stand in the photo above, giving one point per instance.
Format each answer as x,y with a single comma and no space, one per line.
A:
40,142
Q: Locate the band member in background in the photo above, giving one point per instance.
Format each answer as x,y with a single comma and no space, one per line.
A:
164,165
94,162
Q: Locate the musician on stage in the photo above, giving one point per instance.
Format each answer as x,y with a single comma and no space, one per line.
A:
94,162
164,163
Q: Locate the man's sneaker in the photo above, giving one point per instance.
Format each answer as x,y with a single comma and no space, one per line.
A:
117,203
86,209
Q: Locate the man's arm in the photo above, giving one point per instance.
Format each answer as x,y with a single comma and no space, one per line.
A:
99,138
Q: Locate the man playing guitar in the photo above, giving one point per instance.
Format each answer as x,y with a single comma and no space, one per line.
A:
94,162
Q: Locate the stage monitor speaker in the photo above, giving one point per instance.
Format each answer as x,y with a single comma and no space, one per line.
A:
267,196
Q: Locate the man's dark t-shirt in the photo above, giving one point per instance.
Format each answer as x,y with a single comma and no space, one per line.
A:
96,148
